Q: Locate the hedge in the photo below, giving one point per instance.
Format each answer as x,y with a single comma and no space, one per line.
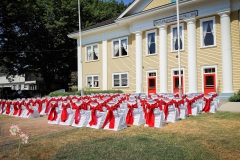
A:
59,93
235,97
98,91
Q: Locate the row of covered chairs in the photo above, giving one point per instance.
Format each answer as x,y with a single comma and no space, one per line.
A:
113,111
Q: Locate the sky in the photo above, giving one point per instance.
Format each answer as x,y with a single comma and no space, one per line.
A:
126,1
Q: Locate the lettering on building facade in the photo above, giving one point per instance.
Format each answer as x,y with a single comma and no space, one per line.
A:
182,16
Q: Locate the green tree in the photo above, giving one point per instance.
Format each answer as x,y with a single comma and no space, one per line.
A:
33,34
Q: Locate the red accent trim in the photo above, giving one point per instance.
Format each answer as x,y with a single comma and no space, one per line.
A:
152,90
208,89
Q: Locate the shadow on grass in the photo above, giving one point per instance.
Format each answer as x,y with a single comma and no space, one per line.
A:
135,147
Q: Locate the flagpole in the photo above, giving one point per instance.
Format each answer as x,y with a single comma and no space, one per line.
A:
79,20
80,87
179,58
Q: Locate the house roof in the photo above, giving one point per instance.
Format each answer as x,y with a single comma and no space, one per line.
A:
124,15
109,21
104,23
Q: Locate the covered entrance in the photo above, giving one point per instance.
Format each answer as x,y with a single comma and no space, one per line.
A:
175,81
209,80
151,82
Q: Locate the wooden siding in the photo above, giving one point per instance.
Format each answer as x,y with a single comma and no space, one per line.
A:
235,50
92,68
172,61
150,62
156,3
123,64
210,55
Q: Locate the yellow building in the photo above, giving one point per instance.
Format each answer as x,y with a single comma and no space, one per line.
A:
137,52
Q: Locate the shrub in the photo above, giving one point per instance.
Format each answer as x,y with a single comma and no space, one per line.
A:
235,97
59,93
89,92
74,88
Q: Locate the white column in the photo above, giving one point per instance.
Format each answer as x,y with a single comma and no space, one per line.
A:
79,62
192,55
227,80
138,35
163,59
104,65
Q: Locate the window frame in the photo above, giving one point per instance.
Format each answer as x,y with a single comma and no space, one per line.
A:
120,82
119,46
147,32
175,26
213,18
92,76
91,45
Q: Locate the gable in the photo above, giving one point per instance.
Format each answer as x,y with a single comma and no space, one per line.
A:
157,3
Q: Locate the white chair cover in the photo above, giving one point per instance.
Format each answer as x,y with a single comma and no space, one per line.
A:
100,117
119,120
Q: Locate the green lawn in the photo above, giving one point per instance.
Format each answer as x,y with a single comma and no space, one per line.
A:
207,136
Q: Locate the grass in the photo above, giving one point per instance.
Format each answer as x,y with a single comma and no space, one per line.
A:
207,136
4,116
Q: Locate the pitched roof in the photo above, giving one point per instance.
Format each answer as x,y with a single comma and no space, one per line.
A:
104,23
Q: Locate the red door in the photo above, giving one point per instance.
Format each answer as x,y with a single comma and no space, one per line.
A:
176,84
152,85
209,83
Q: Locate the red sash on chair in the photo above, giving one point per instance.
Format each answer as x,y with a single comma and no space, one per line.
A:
214,95
29,109
159,103
48,103
189,106
77,113
8,107
53,113
15,107
207,105
177,104
20,108
166,108
93,113
150,117
100,105
85,105
3,105
129,118
143,103
40,103
110,116
64,115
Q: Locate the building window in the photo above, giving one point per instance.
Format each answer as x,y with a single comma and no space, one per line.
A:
208,34
152,74
92,52
151,42
174,37
209,70
120,79
177,72
120,47
92,81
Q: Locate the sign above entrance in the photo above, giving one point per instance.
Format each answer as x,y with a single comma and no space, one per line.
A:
182,16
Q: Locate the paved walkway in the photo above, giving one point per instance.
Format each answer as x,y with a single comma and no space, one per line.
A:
229,106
